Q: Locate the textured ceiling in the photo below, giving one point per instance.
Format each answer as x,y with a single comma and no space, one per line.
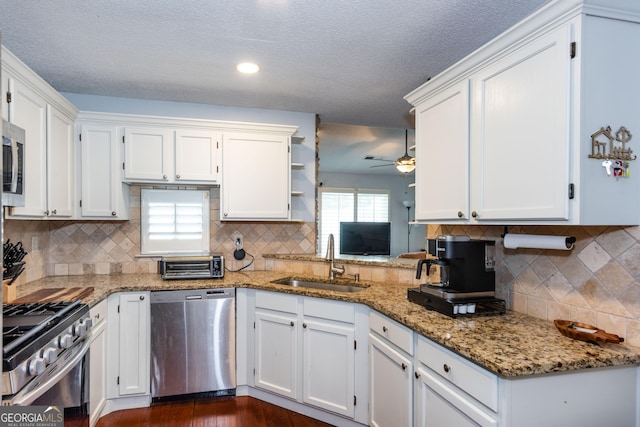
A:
350,61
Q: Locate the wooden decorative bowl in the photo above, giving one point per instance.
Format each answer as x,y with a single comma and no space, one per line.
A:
586,332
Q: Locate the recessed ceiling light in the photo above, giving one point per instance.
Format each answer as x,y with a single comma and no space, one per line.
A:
247,68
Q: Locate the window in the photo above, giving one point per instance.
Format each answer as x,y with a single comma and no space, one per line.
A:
349,204
174,222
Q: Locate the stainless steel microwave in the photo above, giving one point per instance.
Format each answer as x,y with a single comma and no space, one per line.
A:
13,139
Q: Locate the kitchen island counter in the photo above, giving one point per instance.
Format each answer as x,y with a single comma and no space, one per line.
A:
510,345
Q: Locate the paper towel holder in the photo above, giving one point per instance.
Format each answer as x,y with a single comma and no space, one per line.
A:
538,241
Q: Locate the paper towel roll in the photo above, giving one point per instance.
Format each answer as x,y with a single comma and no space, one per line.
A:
515,241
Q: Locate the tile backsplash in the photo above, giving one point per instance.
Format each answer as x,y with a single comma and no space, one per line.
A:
598,282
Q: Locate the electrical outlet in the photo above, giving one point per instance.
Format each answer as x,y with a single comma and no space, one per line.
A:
237,241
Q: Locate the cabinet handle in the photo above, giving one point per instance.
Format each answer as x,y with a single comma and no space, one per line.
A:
113,213
460,214
384,329
97,316
177,176
304,325
404,366
291,323
446,368
416,374
141,297
164,176
474,214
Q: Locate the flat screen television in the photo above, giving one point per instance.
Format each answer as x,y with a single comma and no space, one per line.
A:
365,238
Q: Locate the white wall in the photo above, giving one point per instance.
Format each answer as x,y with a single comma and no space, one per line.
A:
398,190
303,208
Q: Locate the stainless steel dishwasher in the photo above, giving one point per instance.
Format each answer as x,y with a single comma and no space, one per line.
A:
193,342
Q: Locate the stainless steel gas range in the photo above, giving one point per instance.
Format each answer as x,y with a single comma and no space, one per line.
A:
45,358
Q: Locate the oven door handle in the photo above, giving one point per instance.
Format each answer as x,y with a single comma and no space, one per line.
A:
28,395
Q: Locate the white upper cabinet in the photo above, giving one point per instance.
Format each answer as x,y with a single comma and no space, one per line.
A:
171,152
102,194
442,127
504,135
256,176
47,119
196,155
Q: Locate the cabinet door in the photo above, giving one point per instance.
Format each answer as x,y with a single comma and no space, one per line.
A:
196,156
134,339
442,156
328,365
520,133
390,394
98,365
440,404
276,353
29,112
4,86
60,180
255,177
101,187
147,154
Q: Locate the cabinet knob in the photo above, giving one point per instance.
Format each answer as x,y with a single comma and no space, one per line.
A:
404,366
291,323
46,213
416,374
304,325
53,212
113,213
141,297
225,214
164,176
384,329
460,214
474,214
446,368
177,176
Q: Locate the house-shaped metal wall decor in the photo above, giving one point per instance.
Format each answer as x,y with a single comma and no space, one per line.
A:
604,144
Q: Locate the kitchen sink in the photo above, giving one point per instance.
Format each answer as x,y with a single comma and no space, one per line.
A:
326,286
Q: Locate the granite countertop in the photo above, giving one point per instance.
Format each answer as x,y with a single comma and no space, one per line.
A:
510,345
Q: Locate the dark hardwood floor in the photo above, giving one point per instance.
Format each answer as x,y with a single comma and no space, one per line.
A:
240,411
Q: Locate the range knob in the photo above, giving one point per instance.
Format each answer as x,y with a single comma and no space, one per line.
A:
49,355
65,341
80,330
36,366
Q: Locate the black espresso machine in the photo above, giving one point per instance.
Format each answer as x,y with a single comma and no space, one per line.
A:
467,278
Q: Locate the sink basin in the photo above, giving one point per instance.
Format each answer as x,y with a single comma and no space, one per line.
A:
325,286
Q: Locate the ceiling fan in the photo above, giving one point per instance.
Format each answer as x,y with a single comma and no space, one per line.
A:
404,164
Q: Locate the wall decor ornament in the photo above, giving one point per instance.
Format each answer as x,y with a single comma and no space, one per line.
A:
613,150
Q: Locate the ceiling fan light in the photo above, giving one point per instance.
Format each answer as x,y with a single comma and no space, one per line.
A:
406,165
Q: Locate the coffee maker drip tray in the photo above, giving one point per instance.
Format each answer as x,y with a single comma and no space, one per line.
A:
465,304
451,294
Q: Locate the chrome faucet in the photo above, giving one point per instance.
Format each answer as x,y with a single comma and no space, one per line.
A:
333,270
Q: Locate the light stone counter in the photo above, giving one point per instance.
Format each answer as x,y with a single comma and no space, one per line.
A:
510,345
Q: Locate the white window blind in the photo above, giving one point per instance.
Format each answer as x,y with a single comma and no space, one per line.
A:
349,204
174,222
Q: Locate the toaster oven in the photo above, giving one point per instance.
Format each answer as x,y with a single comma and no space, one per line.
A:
191,267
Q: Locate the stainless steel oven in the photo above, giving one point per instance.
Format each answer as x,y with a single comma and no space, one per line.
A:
13,139
46,357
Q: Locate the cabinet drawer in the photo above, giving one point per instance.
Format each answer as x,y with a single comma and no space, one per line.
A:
474,380
391,330
328,309
98,313
277,301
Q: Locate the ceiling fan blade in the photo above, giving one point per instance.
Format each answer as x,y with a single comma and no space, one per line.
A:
377,166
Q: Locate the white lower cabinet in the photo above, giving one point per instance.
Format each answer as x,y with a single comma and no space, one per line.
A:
306,349
128,348
390,397
98,361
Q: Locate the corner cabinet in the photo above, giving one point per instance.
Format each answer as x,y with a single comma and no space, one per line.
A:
504,135
47,118
256,176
